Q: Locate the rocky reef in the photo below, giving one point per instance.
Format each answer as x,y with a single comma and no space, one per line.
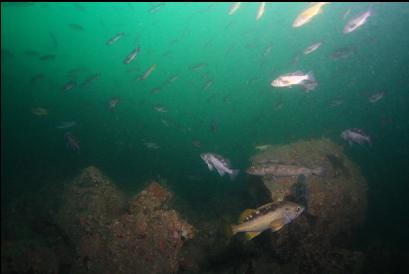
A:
336,202
107,232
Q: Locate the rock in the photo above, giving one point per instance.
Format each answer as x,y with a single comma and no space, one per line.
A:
335,205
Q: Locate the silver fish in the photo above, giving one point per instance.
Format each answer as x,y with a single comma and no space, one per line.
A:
221,164
357,22
115,38
355,135
131,56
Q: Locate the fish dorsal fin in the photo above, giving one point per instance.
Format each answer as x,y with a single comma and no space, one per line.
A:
264,206
251,235
245,214
276,225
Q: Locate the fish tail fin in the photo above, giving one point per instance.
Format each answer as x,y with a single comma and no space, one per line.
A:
232,230
320,171
311,76
234,174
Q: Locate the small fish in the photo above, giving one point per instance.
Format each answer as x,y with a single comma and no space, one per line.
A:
148,72
71,141
214,126
307,15
342,53
272,216
261,10
283,170
376,97
198,66
346,14
151,145
355,135
221,164
39,111
160,108
65,125
234,7
76,27
262,147
115,38
357,22
196,143
47,57
336,103
69,85
54,41
31,53
156,8
36,79
267,50
307,80
312,48
113,103
207,85
88,81
131,56
155,90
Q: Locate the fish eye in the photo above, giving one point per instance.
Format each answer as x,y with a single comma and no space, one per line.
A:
286,208
298,209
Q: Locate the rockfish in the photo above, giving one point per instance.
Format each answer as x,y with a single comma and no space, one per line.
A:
270,216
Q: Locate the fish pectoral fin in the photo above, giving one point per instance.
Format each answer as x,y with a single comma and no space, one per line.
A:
221,172
276,225
251,235
210,167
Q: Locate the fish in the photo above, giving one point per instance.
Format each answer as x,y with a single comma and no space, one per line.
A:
156,8
356,135
69,85
261,10
309,13
272,216
148,72
345,15
207,85
89,80
39,111
356,22
113,103
115,38
307,80
234,7
342,53
196,143
376,97
54,41
65,125
76,27
160,108
198,66
276,169
312,48
151,145
47,57
131,56
218,162
336,103
71,141
36,79
262,147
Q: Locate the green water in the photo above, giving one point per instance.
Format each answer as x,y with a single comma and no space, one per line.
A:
238,111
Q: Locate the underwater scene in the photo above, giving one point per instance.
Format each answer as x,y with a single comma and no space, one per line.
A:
235,138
